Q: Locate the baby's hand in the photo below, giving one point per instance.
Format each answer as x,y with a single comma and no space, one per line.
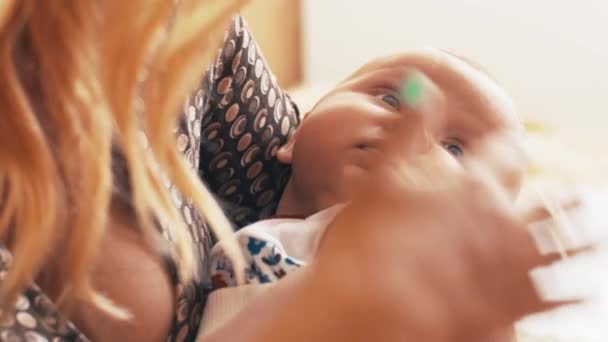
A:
434,253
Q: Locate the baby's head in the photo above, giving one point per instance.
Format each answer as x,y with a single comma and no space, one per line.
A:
328,151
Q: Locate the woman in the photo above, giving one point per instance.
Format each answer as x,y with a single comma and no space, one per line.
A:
85,213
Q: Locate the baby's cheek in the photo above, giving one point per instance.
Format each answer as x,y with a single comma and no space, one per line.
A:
446,159
513,181
509,171
503,156
353,177
511,168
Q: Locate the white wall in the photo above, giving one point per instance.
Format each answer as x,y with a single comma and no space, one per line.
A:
552,55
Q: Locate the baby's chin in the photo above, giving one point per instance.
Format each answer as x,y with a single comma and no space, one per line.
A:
352,177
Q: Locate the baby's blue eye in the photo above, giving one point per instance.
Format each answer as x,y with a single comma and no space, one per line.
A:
454,149
391,100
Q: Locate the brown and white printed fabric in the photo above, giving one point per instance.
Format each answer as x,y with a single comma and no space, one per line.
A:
248,117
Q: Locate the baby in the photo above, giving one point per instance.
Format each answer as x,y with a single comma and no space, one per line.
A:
333,151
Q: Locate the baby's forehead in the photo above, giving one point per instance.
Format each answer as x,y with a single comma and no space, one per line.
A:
468,87
418,58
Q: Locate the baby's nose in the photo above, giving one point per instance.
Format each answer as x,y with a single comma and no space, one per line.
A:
423,116
425,102
424,143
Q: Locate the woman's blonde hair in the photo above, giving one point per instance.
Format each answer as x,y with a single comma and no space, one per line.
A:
73,77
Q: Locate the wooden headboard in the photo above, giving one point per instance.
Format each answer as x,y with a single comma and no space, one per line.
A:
276,25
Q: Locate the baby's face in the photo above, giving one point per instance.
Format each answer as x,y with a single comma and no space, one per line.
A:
329,151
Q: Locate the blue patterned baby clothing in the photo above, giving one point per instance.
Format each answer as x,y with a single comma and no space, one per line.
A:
272,248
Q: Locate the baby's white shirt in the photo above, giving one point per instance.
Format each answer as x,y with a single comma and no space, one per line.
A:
286,243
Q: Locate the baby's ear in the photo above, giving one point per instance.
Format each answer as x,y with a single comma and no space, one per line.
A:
285,152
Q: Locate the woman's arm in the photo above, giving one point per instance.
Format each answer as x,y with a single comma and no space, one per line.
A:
308,305
442,259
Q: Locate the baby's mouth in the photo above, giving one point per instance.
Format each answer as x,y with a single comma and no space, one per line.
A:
364,155
366,147
367,150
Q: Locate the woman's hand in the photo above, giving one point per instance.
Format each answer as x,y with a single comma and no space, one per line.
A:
430,252
443,262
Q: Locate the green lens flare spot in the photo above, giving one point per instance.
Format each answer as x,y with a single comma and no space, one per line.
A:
412,91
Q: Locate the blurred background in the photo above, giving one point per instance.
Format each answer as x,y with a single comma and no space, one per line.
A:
551,56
